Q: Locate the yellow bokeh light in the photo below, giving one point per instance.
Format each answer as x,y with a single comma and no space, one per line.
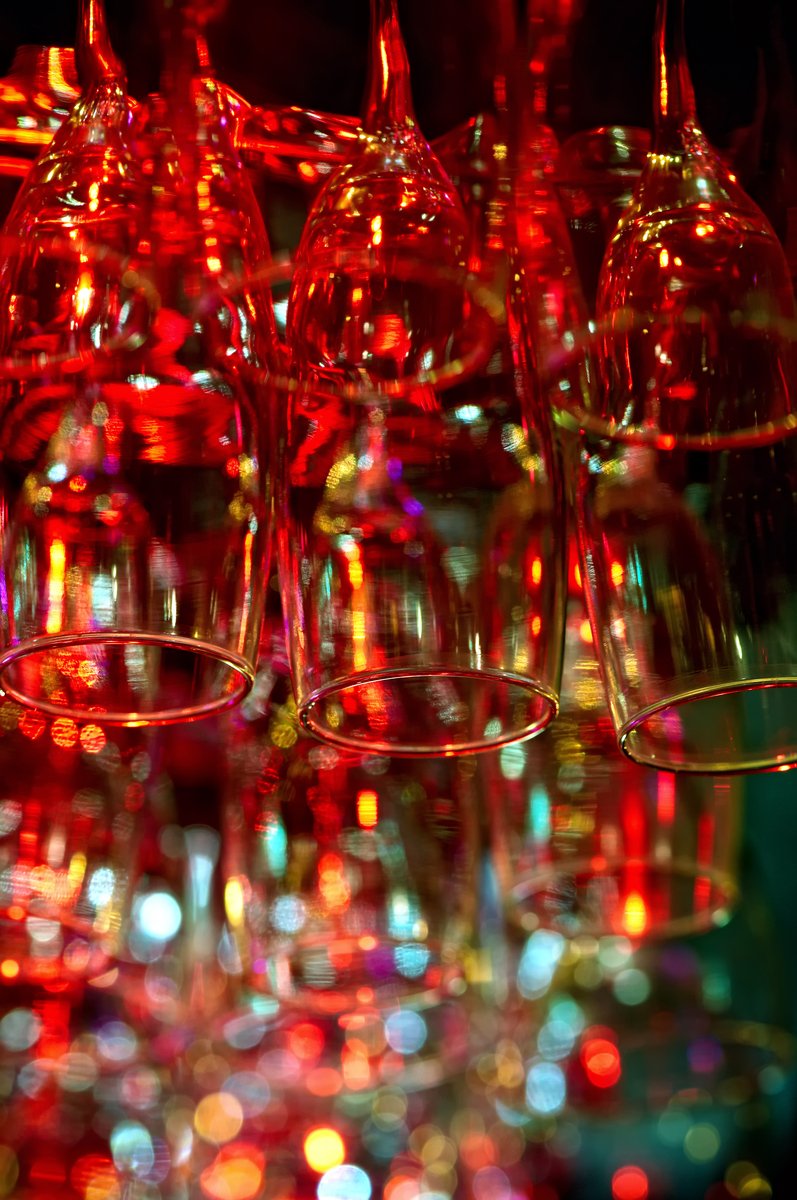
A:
218,1117
635,915
324,1149
234,902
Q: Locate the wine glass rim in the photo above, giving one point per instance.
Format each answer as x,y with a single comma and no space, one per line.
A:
745,764
241,674
488,312
72,360
546,697
577,410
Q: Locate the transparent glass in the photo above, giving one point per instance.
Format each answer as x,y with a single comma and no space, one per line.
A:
138,503
684,471
418,512
350,882
586,842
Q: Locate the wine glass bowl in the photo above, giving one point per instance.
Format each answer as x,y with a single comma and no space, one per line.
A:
690,589
417,540
681,358
138,505
684,487
587,843
416,511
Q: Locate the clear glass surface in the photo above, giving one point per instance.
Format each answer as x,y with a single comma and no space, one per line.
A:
686,460
418,512
137,490
587,843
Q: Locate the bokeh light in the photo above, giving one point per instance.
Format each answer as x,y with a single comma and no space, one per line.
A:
324,1149
629,1183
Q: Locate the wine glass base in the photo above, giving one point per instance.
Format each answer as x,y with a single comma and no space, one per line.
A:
630,897
121,678
420,711
748,725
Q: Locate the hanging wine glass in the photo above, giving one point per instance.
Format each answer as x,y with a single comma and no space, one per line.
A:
136,592
686,480
385,559
75,217
586,842
696,270
392,202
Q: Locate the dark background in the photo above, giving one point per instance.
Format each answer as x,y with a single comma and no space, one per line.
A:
312,53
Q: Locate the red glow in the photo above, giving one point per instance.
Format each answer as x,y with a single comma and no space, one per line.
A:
705,837
48,1171
332,883
665,798
93,1174
390,334
235,1174
629,1183
306,1041
32,725
601,1061
703,890
324,1081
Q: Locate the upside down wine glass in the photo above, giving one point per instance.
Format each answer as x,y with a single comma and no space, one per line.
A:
138,523
392,496
687,480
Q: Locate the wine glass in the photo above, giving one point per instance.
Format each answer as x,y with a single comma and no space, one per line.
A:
408,510
138,527
350,881
586,842
684,481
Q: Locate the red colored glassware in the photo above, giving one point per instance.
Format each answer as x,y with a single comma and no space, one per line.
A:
404,474
138,541
686,480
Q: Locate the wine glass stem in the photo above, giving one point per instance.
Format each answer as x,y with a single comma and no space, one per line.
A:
94,53
388,97
674,94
